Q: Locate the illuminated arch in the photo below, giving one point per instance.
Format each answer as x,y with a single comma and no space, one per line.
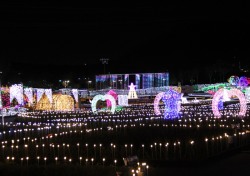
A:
232,92
103,98
156,102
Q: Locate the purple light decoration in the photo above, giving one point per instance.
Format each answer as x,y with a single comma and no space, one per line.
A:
220,103
243,82
233,80
170,99
232,92
113,94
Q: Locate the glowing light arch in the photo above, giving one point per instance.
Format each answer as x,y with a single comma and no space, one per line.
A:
103,98
232,92
156,102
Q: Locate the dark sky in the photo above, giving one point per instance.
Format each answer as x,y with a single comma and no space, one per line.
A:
138,37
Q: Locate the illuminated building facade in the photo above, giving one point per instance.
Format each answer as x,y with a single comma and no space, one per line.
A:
122,81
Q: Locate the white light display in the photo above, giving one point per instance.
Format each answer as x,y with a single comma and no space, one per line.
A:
75,94
103,98
48,93
232,92
156,102
16,91
247,94
29,93
123,100
132,93
225,95
39,94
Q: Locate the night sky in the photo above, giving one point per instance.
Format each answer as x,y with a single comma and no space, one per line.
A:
52,41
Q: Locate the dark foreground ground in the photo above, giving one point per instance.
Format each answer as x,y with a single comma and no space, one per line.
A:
234,163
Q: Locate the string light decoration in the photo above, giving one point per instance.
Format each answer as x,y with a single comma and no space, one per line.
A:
233,80
220,103
172,107
29,93
75,94
5,94
63,103
103,98
48,93
232,92
243,82
16,91
39,94
247,94
132,93
157,99
123,100
59,103
113,94
43,103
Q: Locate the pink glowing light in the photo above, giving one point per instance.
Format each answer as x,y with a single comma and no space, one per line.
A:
113,94
232,92
156,102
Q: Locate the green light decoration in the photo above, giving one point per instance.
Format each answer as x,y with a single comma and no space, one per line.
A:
103,98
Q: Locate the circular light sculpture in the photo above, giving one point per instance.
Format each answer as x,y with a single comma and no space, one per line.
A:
232,92
157,101
103,98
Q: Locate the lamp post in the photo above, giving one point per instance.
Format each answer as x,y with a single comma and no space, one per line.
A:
66,83
89,83
104,62
103,160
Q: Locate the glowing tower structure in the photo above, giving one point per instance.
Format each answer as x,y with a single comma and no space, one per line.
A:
132,93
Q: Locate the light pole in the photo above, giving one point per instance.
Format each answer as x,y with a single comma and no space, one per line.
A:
89,83
66,83
104,62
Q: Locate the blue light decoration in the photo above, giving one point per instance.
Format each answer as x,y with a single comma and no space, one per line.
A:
220,103
243,82
233,80
171,100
